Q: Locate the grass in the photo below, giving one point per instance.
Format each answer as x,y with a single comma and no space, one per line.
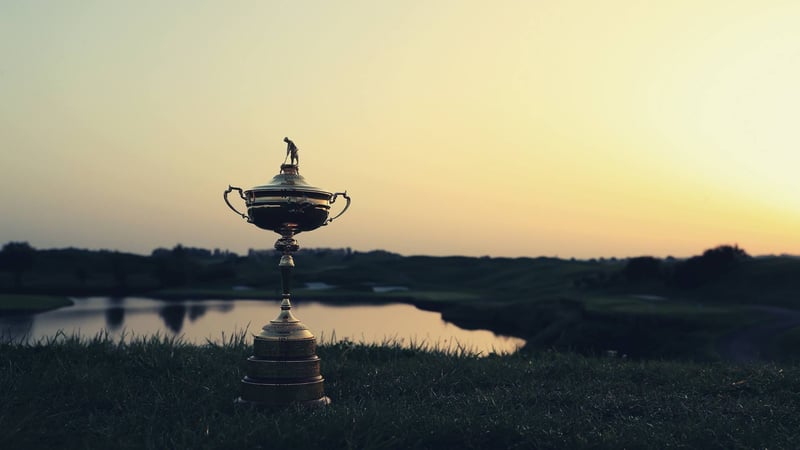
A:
787,344
162,393
14,303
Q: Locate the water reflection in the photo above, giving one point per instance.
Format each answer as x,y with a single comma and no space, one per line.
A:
173,317
198,321
115,316
175,314
196,312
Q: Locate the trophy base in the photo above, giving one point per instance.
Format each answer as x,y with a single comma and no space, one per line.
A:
318,403
284,368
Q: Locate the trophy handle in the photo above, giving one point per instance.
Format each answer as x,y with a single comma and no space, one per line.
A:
347,205
225,196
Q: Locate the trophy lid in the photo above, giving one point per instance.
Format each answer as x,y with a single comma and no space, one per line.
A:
288,201
289,179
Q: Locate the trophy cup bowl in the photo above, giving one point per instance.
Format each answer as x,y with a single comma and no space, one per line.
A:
287,202
284,367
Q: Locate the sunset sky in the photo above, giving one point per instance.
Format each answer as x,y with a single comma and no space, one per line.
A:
508,128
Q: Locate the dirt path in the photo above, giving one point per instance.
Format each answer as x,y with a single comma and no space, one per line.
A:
752,344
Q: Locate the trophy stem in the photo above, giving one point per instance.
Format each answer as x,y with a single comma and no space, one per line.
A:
287,245
286,265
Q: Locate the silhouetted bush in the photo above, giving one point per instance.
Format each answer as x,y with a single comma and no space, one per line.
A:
174,268
217,272
17,258
116,262
713,263
642,268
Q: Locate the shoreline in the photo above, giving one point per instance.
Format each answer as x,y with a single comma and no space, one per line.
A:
21,304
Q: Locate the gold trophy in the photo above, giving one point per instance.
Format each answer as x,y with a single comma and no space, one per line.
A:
285,368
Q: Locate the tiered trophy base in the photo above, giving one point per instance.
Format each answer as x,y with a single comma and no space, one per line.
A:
284,368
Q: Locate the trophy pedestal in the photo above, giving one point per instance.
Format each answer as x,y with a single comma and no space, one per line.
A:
284,368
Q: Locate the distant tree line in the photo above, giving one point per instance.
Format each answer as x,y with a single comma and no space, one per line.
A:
24,268
76,271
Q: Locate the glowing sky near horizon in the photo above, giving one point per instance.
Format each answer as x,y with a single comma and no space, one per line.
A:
511,128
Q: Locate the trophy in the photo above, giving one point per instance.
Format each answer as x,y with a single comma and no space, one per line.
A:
284,367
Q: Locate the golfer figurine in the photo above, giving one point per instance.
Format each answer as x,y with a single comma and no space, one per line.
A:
291,150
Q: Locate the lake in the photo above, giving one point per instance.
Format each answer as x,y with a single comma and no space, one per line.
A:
197,321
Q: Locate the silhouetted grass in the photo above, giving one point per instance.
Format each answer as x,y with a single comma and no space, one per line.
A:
163,393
